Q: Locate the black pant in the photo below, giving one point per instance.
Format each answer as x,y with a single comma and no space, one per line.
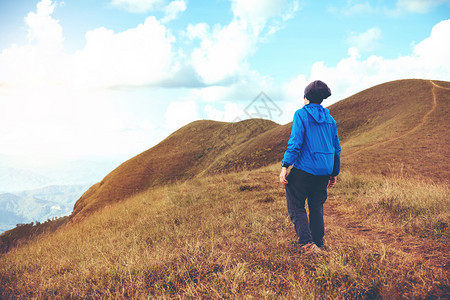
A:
302,185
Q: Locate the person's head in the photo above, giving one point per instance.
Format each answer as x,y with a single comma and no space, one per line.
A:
317,91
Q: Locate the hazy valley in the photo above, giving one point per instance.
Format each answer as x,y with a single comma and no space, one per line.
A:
34,189
38,205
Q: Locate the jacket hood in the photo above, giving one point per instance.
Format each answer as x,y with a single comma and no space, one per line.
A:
318,112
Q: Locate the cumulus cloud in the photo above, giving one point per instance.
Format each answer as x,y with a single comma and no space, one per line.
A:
365,41
135,57
42,28
41,61
224,50
429,60
173,9
141,56
433,51
57,103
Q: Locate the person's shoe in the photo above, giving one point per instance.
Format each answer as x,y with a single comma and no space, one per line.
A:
311,248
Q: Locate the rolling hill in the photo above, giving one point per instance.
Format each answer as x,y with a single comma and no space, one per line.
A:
399,127
202,215
198,148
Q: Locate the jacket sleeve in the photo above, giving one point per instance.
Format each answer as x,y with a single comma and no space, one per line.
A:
337,154
295,140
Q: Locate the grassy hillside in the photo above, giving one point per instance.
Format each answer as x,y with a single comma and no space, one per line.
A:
185,153
397,127
228,236
205,216
389,128
23,233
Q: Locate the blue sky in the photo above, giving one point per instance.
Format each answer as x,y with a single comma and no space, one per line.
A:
112,78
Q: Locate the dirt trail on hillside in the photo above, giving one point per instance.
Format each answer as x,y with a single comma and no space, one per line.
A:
416,250
437,254
420,124
438,86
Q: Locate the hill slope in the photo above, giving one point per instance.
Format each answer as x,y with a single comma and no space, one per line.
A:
395,127
398,127
197,148
228,235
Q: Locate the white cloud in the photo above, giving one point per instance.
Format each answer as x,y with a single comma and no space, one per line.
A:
173,9
70,123
136,57
138,6
434,50
41,61
55,103
430,59
224,50
418,6
365,41
42,28
223,53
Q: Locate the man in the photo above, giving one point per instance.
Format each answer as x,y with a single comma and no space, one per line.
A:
314,151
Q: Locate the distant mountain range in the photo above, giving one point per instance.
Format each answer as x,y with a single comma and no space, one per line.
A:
36,190
38,205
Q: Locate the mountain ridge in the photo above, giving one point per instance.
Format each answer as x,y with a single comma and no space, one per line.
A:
372,124
188,152
214,232
412,127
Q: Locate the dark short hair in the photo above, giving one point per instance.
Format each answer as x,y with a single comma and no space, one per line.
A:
317,91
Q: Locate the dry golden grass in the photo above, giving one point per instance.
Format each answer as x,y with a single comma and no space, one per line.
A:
401,122
198,147
23,233
184,230
228,235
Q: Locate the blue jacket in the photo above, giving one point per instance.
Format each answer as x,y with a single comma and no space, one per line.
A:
314,143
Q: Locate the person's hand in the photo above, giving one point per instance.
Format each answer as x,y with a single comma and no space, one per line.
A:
283,175
331,182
